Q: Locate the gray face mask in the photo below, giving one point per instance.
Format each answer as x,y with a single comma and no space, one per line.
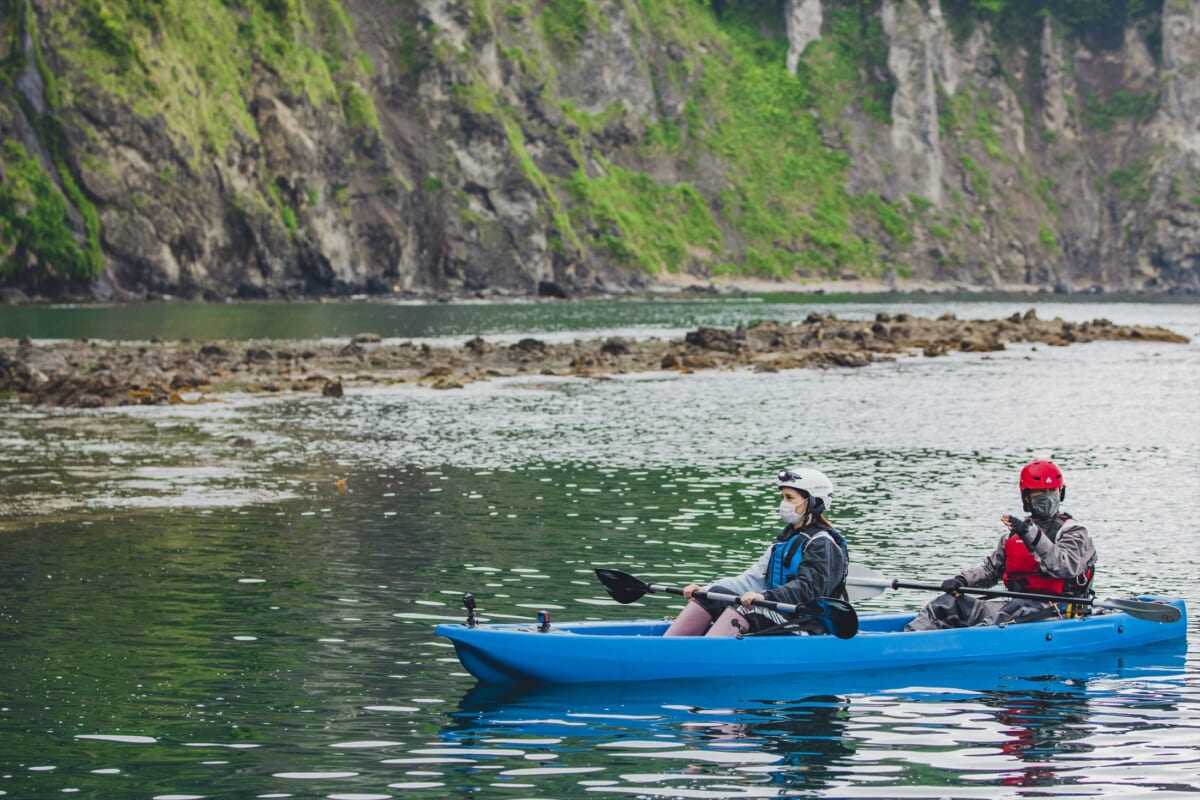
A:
1044,506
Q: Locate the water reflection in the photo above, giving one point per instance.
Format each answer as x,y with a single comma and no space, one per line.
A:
1035,728
1015,726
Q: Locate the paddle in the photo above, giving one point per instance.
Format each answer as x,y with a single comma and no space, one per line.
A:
839,616
1142,609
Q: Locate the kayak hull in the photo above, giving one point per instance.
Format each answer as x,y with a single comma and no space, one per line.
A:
591,652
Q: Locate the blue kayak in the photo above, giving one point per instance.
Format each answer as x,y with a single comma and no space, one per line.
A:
590,652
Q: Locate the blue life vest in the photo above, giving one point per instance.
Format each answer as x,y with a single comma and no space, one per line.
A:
787,555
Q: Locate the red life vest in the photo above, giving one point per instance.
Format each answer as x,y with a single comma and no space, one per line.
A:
1022,572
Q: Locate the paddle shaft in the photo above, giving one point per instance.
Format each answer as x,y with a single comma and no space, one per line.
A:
838,616
731,599
1048,598
1155,612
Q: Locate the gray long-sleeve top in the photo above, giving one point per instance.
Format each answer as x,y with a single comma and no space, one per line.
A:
1062,552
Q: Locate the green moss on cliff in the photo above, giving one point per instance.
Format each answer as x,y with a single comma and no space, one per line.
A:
1132,184
40,212
1102,114
640,222
788,202
36,230
785,207
194,63
1097,23
844,65
565,24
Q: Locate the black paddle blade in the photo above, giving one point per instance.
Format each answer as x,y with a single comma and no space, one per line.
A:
839,617
621,586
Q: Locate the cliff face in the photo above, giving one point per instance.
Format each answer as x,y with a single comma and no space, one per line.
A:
288,147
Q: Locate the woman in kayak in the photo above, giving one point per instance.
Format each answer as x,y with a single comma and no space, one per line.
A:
808,559
1047,552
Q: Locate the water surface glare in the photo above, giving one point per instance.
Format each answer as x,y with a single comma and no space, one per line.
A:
183,617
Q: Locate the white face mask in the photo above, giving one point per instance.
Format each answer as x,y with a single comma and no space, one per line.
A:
788,513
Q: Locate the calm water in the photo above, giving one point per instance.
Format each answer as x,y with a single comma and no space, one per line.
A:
632,316
181,616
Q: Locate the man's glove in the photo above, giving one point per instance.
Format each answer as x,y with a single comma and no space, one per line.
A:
1028,533
952,585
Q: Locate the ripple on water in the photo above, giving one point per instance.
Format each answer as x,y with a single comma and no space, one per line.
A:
117,737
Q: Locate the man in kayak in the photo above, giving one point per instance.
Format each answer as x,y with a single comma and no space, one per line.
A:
808,559
1047,552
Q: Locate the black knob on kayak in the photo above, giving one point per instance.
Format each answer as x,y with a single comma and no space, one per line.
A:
469,602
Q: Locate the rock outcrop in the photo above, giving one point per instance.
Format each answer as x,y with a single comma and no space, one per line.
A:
90,374
456,146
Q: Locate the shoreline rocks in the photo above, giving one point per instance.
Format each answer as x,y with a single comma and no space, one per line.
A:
91,374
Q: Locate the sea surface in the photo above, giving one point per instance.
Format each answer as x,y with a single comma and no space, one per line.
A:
237,599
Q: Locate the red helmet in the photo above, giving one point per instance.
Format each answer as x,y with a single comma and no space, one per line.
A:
1041,475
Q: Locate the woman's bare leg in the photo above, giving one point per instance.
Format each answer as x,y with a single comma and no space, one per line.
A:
693,620
730,623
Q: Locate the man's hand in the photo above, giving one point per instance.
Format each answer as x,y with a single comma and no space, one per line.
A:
1017,525
952,585
1028,533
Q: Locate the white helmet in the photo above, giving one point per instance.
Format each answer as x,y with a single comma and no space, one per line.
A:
812,483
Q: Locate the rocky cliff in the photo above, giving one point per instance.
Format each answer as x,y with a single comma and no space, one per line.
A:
261,148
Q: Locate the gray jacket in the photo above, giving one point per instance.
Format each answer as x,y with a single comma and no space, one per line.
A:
821,572
1063,549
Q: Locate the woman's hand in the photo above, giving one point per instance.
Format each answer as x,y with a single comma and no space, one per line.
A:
747,600
690,589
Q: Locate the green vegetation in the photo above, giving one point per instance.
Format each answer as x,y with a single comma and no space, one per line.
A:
38,230
563,232
637,221
1132,184
189,62
565,25
835,64
788,200
971,116
1045,189
35,222
920,204
359,109
1101,114
412,55
1098,23
980,181
1049,240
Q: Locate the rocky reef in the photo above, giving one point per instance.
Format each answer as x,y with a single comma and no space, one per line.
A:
90,374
